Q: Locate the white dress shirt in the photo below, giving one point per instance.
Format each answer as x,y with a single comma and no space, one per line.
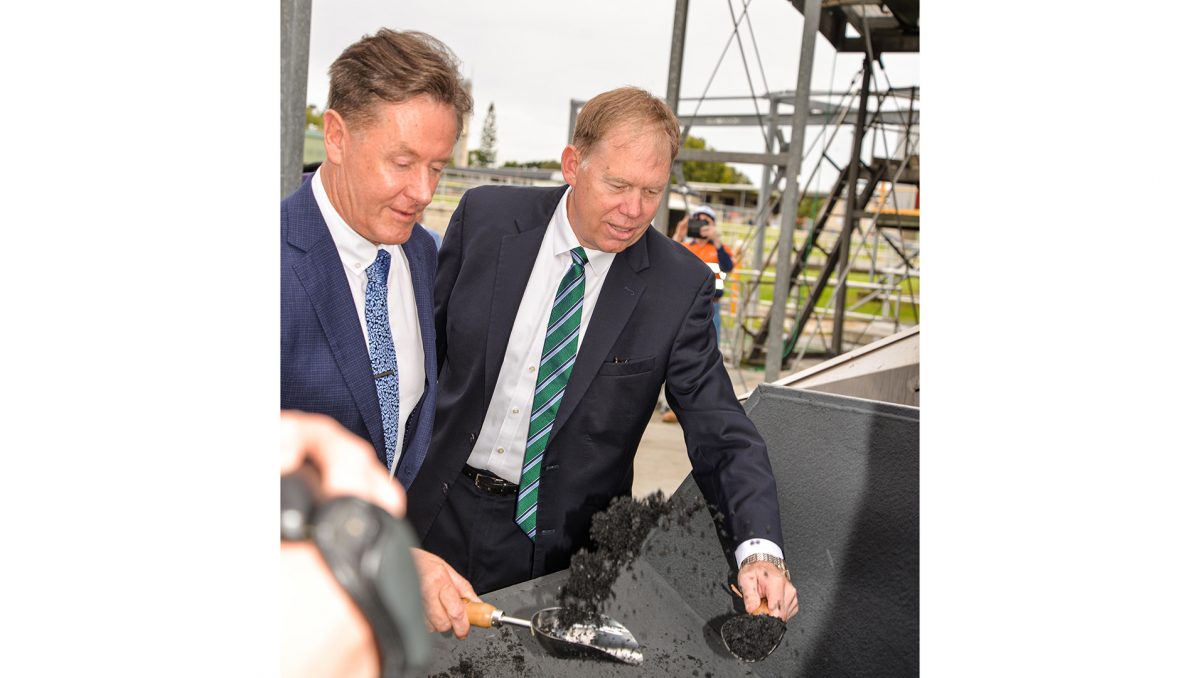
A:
500,447
357,254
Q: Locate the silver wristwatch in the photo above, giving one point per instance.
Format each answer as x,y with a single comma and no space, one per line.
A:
767,558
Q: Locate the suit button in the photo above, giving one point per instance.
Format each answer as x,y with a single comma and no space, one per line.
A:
445,489
471,437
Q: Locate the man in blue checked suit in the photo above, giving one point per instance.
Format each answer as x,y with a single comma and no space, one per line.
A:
357,274
560,314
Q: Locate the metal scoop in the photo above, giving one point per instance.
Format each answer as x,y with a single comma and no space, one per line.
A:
752,639
606,640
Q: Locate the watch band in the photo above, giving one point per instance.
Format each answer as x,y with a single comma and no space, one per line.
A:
768,558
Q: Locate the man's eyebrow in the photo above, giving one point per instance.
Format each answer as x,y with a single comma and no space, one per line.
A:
408,151
404,149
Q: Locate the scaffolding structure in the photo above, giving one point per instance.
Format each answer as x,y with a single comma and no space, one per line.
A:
864,241
862,246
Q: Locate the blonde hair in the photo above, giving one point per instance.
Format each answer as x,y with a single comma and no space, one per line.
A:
623,105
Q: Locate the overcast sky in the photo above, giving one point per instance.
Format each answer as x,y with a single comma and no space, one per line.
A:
531,57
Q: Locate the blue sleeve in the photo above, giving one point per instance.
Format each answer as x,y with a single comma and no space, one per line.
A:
724,261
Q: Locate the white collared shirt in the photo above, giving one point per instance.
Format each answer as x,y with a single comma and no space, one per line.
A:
357,254
500,447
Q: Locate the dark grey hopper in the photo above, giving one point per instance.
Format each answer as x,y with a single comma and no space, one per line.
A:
847,473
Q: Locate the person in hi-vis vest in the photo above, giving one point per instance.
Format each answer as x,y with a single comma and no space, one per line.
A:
711,250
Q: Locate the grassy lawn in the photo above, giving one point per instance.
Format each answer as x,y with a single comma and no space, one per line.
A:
737,234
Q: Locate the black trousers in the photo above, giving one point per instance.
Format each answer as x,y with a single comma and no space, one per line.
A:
477,534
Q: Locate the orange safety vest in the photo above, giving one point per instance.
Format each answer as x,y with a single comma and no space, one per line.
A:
707,252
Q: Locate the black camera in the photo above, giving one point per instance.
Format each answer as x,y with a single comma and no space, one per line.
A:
369,552
694,226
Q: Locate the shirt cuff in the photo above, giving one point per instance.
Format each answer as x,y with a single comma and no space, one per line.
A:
751,546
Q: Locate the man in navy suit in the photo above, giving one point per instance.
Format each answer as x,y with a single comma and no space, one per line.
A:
357,334
560,313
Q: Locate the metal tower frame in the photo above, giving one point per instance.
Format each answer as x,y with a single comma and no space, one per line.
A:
850,26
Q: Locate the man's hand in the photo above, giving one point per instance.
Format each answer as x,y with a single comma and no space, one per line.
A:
762,579
711,233
681,229
443,589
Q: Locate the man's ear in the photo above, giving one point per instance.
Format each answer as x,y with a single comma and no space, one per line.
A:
570,164
335,136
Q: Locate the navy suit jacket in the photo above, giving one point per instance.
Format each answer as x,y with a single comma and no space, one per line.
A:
652,324
324,363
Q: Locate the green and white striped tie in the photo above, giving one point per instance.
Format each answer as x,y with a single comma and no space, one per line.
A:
558,357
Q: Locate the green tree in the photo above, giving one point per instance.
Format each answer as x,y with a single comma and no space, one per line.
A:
314,117
709,172
810,206
535,164
485,155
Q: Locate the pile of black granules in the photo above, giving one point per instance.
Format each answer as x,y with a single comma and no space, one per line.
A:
752,636
618,534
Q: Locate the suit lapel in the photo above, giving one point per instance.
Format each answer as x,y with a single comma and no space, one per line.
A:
618,298
514,265
420,269
321,274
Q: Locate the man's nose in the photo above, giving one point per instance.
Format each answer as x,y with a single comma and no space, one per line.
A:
631,206
421,190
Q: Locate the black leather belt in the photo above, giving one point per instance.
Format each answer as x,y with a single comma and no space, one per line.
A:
490,483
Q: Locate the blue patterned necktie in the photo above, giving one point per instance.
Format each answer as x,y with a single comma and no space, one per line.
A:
558,357
383,351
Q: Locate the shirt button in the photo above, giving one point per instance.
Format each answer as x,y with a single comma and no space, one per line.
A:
516,410
500,450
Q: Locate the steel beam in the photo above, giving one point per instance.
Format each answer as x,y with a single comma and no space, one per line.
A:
295,20
762,217
780,159
787,217
881,42
762,214
849,221
678,34
824,112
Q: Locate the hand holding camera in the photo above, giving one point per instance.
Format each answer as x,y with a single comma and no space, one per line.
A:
699,227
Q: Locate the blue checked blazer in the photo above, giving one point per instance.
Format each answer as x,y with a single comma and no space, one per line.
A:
324,365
